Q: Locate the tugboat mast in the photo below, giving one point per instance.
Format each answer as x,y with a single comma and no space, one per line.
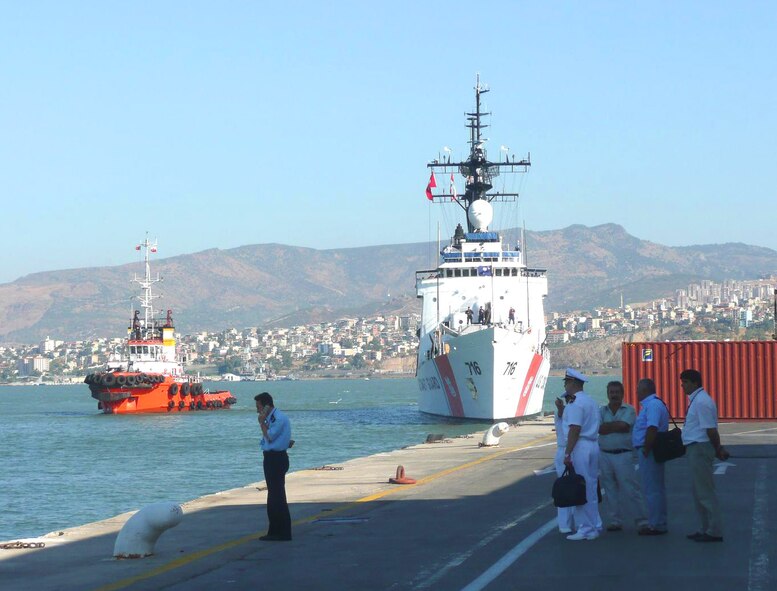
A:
146,297
478,171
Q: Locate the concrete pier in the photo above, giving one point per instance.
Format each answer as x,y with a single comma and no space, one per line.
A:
478,518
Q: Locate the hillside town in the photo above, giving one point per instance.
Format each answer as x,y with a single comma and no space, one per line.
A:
385,345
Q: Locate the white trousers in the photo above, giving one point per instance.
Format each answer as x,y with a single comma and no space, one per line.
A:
585,459
565,515
622,492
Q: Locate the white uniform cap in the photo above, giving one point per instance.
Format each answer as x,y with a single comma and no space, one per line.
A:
575,375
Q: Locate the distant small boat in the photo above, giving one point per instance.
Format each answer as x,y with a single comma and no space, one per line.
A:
335,401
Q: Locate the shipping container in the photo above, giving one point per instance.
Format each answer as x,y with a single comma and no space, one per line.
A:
741,376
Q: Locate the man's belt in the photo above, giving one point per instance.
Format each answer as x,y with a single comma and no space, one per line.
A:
616,451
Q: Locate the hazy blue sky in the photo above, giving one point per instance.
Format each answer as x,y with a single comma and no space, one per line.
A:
220,124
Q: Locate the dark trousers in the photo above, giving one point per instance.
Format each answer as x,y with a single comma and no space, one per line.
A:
276,464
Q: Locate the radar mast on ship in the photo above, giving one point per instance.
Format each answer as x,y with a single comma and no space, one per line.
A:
478,171
148,327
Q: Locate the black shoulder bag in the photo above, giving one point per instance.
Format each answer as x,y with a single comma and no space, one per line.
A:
668,445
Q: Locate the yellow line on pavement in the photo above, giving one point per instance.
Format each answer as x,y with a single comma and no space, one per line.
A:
183,561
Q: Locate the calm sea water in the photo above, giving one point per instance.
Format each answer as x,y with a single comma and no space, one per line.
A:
64,464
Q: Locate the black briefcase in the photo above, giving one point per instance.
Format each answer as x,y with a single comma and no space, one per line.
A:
569,489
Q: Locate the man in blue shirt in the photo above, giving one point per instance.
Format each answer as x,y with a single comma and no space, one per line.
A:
276,439
653,417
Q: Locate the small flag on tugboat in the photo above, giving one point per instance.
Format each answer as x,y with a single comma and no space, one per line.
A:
137,247
432,184
153,249
454,196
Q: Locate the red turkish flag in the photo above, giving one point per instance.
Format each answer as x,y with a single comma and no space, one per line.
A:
432,184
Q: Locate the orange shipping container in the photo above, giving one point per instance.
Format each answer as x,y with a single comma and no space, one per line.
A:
741,376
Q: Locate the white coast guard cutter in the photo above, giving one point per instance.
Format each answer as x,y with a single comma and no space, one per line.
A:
494,365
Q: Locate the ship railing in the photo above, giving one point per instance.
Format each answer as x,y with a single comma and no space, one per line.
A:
533,272
465,329
426,275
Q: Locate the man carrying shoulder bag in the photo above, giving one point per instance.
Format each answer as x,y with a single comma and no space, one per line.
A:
653,418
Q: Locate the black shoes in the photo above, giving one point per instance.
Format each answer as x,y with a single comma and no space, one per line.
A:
649,531
273,538
707,538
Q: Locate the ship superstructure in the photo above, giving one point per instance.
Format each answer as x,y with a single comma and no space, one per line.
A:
481,349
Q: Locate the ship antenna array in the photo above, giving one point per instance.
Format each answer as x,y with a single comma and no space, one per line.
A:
146,298
477,170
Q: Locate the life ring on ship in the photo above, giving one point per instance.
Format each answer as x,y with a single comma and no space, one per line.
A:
197,389
170,405
132,381
109,380
199,405
191,406
181,404
173,390
121,380
185,389
209,404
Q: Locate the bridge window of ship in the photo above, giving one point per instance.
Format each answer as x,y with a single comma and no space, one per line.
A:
457,273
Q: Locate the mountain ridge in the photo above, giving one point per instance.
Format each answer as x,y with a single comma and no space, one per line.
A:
261,284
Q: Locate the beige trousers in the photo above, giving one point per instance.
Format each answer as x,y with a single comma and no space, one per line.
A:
700,457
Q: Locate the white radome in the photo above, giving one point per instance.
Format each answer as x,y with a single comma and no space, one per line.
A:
480,214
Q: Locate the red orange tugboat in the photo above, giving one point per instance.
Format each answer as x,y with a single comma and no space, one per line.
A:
149,375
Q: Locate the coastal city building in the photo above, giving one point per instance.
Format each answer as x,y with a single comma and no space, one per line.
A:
386,344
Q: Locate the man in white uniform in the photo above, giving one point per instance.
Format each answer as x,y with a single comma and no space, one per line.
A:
622,493
565,516
581,427
702,445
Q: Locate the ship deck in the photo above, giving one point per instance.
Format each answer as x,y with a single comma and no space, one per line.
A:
478,518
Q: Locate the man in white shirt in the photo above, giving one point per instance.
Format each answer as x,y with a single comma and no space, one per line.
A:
702,445
581,427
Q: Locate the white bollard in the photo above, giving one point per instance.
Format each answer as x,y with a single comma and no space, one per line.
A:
139,535
491,437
